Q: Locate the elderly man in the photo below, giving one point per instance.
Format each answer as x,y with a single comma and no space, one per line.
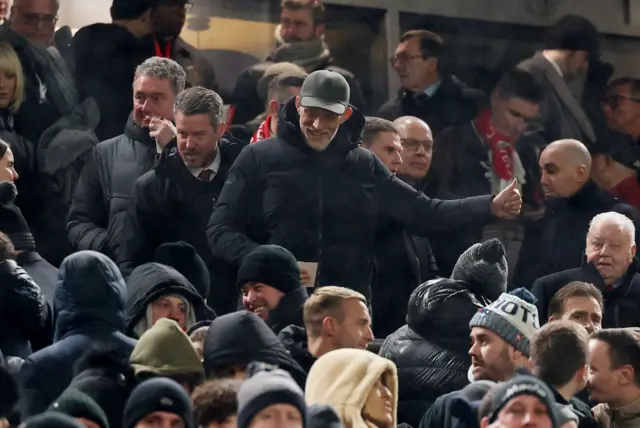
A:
556,241
611,266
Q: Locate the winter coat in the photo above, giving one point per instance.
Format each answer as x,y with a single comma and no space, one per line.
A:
289,310
621,304
431,364
241,338
280,191
150,281
452,104
172,205
626,417
557,241
83,315
294,339
43,273
24,312
104,191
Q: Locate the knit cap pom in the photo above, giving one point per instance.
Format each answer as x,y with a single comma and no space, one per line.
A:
524,294
491,251
8,192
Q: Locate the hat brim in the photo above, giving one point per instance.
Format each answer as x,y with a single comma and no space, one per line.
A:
314,102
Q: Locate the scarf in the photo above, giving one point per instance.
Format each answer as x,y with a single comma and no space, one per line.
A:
158,49
263,132
310,55
500,145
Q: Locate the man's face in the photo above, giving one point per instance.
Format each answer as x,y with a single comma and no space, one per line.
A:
35,20
171,307
197,139
417,150
490,357
355,330
152,97
413,70
260,298
603,380
583,310
4,9
524,411
297,26
621,109
161,420
169,17
319,126
513,116
277,416
387,147
560,178
611,250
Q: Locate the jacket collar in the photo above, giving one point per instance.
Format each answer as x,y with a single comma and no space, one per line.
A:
585,198
133,131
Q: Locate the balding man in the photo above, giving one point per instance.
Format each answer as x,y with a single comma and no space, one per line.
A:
610,266
417,147
556,242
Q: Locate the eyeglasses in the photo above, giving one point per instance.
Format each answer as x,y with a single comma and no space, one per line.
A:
614,101
411,145
402,58
179,4
35,19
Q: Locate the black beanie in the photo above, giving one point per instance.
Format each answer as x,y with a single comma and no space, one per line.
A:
183,257
12,222
323,416
52,420
265,389
77,404
271,265
130,9
157,395
573,33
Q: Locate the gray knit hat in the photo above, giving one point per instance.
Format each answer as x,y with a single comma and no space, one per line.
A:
512,318
483,267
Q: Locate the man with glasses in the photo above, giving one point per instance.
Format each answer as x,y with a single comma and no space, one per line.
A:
441,101
621,106
480,158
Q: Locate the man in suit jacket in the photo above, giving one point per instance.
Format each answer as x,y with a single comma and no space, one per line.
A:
570,45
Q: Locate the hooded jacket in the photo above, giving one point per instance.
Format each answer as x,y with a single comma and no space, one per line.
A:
165,350
150,281
344,378
295,342
88,308
241,338
431,364
289,310
323,206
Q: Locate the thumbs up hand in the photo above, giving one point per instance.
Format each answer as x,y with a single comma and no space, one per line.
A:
508,203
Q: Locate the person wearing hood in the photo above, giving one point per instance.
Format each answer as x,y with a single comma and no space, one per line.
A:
237,339
429,363
156,291
305,188
165,350
360,385
183,257
98,209
172,202
269,279
14,225
611,265
23,310
83,315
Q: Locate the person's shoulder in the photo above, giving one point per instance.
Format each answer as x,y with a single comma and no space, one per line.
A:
557,279
109,144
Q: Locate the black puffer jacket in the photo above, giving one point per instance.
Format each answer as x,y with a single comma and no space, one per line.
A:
24,313
323,206
295,341
431,350
105,188
149,281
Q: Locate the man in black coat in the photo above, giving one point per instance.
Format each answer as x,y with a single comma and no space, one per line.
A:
556,241
173,202
98,210
610,265
320,195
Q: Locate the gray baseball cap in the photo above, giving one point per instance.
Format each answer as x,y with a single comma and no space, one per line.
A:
327,90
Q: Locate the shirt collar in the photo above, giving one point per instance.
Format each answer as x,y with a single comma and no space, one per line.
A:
555,65
213,166
431,90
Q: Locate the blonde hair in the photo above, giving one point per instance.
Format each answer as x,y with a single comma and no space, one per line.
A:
324,302
10,63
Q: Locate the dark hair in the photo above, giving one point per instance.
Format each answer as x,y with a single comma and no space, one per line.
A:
374,126
198,100
215,401
318,15
624,349
623,81
4,148
517,83
558,350
431,45
573,289
7,251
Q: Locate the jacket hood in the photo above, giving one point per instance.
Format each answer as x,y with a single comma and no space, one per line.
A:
133,131
294,339
90,292
443,305
151,280
165,350
288,311
344,378
242,337
348,137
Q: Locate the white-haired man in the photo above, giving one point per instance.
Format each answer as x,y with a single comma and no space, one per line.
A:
610,265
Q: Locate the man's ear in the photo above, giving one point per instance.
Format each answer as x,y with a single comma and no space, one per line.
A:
329,326
273,107
347,114
551,319
297,102
221,129
319,31
484,422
